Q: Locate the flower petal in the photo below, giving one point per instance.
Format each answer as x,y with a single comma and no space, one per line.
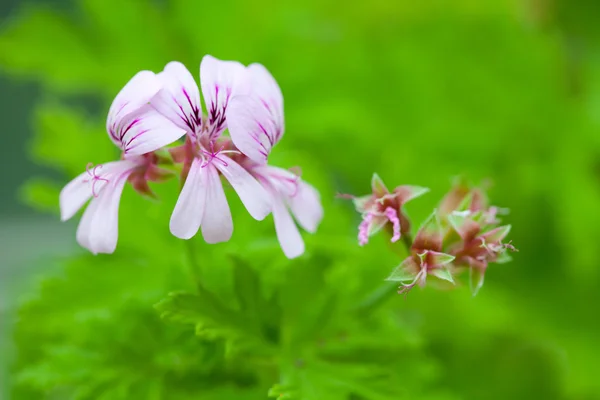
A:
179,99
251,127
264,86
253,195
77,192
306,207
98,229
219,80
146,130
135,94
287,232
189,210
217,225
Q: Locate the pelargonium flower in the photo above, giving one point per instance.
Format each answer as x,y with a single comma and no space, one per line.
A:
138,130
202,201
426,258
462,197
479,245
256,124
382,207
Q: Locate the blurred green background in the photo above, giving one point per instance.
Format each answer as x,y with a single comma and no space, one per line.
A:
416,91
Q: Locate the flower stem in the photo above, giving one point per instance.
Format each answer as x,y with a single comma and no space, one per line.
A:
383,292
193,265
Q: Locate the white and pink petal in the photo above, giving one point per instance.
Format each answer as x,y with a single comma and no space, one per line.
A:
289,237
220,81
250,191
217,225
98,228
189,210
135,94
306,207
146,130
179,99
251,127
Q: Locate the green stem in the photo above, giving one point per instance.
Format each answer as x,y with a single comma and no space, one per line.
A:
385,291
193,265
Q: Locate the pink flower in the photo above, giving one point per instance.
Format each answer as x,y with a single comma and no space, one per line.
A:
479,245
137,129
383,207
290,195
426,258
202,202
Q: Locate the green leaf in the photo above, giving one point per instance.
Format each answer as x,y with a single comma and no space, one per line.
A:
247,288
211,317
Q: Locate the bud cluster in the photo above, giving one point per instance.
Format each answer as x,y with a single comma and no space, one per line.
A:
463,234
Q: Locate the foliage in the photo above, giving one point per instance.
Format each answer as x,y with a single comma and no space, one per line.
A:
418,93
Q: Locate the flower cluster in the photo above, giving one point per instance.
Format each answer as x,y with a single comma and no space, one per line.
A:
462,234
153,111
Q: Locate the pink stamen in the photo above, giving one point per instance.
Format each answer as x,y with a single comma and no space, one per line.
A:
363,229
213,155
92,172
392,215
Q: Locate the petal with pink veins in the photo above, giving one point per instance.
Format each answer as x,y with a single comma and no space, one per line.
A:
306,206
98,229
146,130
135,94
189,210
217,225
251,192
90,183
220,80
264,86
287,232
179,99
251,127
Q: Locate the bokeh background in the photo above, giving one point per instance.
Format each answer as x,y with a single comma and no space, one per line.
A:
419,92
